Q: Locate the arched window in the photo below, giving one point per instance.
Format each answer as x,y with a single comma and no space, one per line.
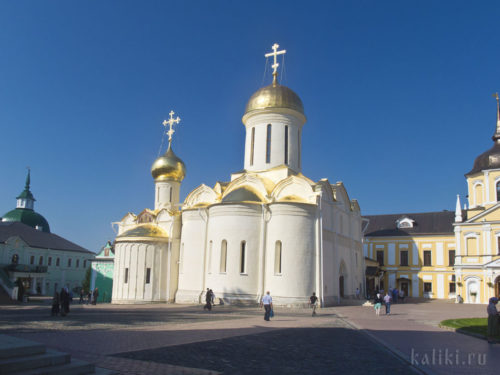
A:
268,144
40,261
210,246
478,194
277,258
252,144
498,191
242,256
223,256
15,259
58,262
69,262
286,144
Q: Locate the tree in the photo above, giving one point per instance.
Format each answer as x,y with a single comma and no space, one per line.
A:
86,280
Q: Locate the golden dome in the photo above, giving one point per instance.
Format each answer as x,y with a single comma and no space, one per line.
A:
168,167
274,96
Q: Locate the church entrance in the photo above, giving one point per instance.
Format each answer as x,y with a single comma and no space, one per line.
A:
341,286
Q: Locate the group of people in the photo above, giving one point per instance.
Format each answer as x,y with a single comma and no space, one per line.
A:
60,302
267,303
92,296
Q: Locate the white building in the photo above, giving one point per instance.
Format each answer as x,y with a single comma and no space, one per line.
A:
268,228
31,255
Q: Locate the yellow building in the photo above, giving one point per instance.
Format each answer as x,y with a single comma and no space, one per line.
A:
415,253
444,254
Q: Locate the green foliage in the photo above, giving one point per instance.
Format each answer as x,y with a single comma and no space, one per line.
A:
86,280
473,325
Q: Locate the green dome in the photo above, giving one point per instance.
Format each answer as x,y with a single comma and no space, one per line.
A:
28,217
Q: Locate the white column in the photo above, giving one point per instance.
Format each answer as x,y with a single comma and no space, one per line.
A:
439,254
392,281
415,285
415,254
487,188
391,259
440,285
33,285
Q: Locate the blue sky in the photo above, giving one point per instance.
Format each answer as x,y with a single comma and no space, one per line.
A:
397,96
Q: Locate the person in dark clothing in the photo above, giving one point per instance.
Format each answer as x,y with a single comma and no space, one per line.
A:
96,294
208,300
64,300
81,296
55,304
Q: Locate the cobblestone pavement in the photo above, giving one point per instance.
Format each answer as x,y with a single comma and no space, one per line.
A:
412,331
176,339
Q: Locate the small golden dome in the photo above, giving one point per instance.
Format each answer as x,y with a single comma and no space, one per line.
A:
168,167
274,96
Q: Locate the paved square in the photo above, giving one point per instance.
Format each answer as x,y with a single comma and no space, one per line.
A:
177,339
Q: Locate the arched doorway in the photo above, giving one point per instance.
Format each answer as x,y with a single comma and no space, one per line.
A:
342,276
497,287
341,286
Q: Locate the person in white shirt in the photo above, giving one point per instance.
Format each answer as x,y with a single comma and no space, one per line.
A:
387,301
267,302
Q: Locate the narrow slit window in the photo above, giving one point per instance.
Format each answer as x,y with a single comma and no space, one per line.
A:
298,150
210,246
498,191
242,256
252,145
181,259
268,144
148,275
126,276
286,144
277,258
223,256
170,195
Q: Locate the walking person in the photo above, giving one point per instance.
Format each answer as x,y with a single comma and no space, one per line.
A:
212,297
89,297
378,304
55,304
267,302
208,300
387,301
313,302
493,317
95,295
64,302
357,293
82,292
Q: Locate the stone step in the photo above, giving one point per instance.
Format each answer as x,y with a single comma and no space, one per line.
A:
50,358
14,347
76,367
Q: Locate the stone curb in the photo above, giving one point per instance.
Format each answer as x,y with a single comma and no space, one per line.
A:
472,334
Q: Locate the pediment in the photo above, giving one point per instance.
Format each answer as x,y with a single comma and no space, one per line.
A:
491,214
493,264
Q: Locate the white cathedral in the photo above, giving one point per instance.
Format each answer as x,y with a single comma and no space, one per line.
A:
269,228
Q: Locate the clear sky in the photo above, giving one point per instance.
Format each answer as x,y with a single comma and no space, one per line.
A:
398,97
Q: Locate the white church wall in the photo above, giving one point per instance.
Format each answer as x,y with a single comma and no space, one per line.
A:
235,223
293,225
191,260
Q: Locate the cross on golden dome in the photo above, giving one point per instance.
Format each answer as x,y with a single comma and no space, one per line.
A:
170,122
275,65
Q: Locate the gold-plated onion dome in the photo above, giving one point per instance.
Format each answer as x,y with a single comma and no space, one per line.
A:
168,167
274,96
